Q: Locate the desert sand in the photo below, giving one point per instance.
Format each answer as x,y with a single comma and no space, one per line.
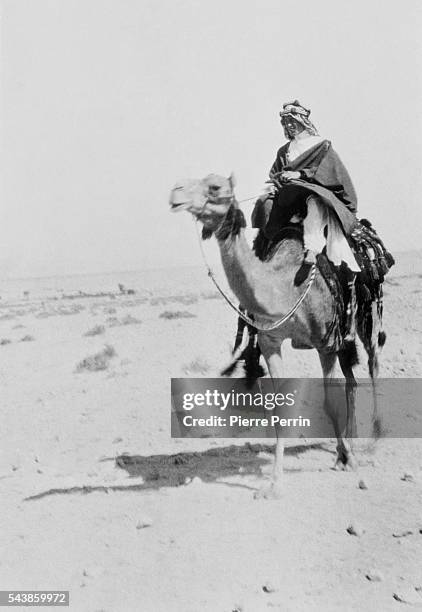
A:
73,519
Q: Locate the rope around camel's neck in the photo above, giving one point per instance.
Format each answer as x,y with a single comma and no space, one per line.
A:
244,272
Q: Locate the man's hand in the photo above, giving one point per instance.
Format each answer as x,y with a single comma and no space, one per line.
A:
288,175
279,178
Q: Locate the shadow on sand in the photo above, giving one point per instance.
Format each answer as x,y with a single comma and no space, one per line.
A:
174,470
210,465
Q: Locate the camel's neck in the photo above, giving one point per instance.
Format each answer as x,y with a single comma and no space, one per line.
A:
263,288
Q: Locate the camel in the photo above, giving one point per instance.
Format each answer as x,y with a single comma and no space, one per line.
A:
266,289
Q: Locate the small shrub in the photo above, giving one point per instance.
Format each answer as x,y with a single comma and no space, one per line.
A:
186,299
43,315
99,361
126,320
109,310
4,341
113,321
95,331
129,320
27,338
176,314
70,310
197,366
211,295
109,351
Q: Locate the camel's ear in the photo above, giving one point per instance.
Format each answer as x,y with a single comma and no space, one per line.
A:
232,180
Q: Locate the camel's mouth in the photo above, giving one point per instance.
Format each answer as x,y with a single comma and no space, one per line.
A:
179,199
178,206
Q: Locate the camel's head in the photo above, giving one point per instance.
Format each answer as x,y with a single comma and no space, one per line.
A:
208,199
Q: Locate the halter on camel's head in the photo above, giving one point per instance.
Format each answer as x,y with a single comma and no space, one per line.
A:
211,201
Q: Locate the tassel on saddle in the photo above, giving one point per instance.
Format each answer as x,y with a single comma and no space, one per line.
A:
373,258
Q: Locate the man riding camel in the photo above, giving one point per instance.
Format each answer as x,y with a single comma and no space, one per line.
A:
309,183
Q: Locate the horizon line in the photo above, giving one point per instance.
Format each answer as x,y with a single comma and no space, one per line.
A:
133,270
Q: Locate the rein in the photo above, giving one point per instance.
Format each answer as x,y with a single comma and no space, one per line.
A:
245,318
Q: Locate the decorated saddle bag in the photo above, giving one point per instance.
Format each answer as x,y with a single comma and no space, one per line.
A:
373,258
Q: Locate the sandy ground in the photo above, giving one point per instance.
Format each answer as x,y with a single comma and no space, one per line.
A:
200,546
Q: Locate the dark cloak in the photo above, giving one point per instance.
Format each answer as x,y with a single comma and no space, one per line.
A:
324,175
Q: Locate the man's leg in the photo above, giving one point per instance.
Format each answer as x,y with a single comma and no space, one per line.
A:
338,249
313,236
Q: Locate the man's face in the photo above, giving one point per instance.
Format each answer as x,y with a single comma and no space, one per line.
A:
291,127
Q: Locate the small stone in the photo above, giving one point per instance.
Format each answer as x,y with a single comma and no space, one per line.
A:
268,588
355,529
93,571
144,523
188,480
408,477
117,440
362,485
374,575
196,481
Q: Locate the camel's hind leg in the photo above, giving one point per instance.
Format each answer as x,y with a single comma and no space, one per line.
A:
369,331
346,364
373,366
345,459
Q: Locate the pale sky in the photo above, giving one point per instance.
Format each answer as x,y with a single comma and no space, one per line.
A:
107,103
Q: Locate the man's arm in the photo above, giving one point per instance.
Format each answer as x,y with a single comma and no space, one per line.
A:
332,173
279,163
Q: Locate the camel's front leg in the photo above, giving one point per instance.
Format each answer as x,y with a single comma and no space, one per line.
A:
345,459
270,346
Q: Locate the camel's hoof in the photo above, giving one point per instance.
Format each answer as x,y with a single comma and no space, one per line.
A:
346,462
272,491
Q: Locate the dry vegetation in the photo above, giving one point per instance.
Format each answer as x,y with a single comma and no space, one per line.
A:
97,330
97,362
28,338
126,320
176,314
197,366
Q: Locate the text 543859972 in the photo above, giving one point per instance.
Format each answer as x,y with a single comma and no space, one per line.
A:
34,598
